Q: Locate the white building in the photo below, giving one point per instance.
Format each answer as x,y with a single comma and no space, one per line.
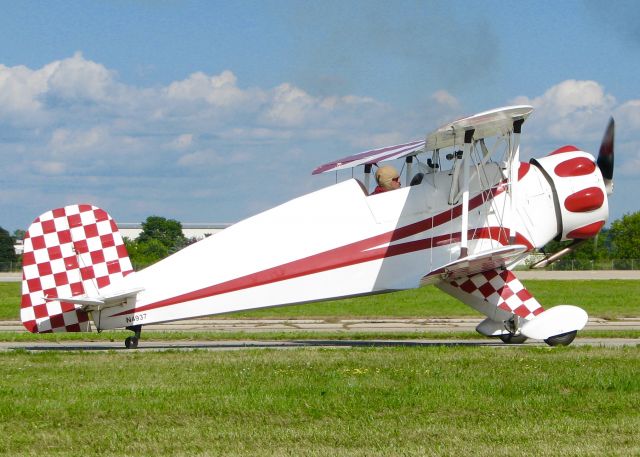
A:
131,230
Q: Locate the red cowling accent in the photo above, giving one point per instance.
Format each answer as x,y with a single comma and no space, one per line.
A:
578,166
588,231
567,148
585,200
523,170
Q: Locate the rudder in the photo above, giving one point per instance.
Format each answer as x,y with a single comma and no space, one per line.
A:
68,252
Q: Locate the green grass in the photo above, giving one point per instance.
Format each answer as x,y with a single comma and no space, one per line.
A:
600,298
10,300
319,402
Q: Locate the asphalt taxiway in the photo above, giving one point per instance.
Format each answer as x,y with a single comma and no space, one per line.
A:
344,327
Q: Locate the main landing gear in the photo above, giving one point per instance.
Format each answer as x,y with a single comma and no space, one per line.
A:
514,336
132,341
511,338
561,340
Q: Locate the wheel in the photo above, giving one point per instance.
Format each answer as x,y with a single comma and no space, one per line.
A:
131,342
510,338
564,339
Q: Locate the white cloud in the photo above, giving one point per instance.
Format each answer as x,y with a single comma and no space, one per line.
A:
573,96
182,141
291,106
73,122
570,110
629,113
66,142
218,90
20,89
76,78
444,98
50,168
200,158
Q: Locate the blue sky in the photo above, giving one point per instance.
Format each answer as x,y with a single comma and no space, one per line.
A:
209,111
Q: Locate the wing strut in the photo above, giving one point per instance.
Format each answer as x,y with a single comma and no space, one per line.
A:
409,171
466,156
513,172
367,175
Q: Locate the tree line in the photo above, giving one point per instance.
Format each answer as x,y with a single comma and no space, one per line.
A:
620,241
161,237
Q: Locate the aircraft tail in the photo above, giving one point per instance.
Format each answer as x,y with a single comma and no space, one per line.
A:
68,252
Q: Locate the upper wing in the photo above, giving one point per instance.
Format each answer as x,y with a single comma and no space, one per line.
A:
497,121
372,156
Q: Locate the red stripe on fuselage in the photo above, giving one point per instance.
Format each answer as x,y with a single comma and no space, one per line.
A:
350,254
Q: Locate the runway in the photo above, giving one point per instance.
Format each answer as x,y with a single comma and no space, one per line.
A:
383,325
345,328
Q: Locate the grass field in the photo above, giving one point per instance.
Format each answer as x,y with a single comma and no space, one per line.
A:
607,298
320,402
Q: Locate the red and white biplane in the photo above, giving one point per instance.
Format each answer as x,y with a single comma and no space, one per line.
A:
470,213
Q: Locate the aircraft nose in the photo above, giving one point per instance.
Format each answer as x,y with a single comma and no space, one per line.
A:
579,191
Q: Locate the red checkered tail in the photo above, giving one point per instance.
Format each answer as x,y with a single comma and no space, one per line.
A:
70,254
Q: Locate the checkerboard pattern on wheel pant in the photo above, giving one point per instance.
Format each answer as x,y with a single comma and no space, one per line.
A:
503,289
67,252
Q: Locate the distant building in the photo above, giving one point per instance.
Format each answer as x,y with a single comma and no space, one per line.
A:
19,247
198,231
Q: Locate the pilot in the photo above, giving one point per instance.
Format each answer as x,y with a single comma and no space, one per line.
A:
387,178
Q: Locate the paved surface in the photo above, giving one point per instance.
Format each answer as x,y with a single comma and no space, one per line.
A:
346,325
10,277
311,325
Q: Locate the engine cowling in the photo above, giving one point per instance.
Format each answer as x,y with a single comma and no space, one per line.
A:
579,192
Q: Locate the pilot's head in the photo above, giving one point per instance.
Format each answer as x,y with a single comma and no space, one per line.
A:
388,177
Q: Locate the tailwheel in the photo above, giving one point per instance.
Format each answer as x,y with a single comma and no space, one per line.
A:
131,342
511,338
564,339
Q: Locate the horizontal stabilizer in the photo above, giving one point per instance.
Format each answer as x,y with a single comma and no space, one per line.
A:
102,301
555,321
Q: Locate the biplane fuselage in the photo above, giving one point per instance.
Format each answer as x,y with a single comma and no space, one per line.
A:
462,229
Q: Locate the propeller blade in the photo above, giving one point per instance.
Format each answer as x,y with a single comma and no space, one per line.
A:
605,156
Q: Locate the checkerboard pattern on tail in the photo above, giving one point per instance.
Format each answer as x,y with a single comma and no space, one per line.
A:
70,251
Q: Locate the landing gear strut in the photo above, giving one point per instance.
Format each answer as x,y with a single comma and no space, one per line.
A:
514,336
511,338
132,341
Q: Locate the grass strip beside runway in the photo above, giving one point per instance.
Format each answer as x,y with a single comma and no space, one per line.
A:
609,299
320,402
275,335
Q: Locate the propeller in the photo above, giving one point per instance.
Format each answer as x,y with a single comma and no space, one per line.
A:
605,156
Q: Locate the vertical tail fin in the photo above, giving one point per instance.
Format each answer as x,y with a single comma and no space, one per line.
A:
68,251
